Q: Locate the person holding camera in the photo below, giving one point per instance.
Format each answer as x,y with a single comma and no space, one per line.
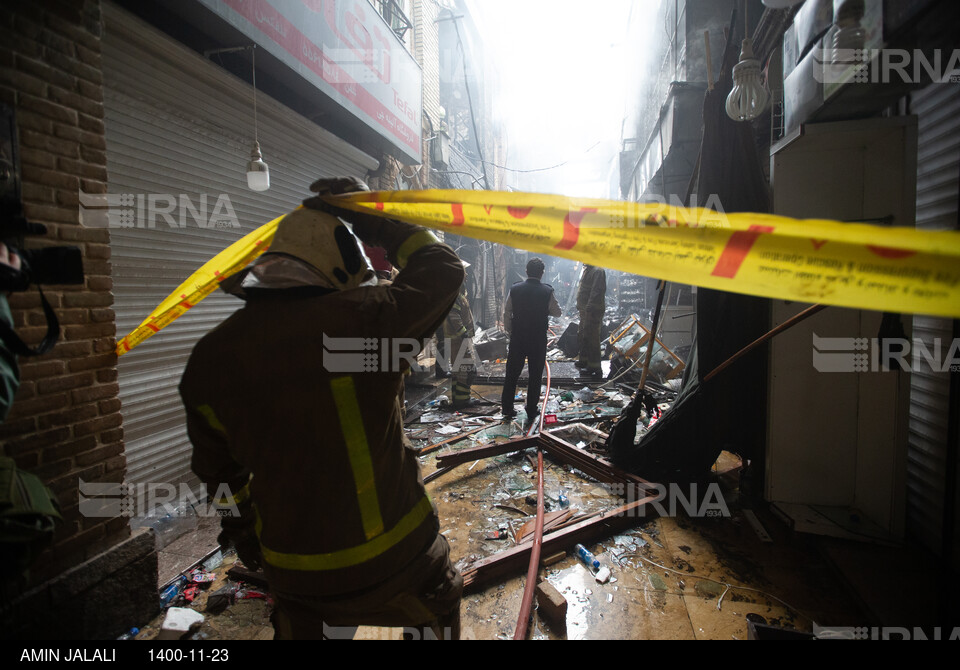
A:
9,370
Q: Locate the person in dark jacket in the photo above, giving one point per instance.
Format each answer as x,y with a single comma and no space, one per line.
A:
458,330
591,303
526,316
291,413
9,369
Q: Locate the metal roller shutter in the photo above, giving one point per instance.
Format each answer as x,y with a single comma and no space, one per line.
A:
177,124
938,109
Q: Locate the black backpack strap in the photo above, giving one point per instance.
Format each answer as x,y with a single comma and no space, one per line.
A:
17,346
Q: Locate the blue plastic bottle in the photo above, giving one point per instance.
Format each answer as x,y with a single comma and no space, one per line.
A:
169,594
131,634
588,559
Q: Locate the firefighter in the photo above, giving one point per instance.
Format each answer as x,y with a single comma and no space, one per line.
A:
591,304
307,433
458,330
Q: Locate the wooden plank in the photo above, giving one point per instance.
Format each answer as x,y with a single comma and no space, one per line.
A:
485,451
596,467
510,561
429,449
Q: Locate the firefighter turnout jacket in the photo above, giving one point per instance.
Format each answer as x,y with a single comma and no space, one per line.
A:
292,403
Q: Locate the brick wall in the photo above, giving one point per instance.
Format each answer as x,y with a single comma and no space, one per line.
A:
65,424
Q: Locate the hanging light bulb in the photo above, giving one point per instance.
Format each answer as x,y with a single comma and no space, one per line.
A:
258,174
748,98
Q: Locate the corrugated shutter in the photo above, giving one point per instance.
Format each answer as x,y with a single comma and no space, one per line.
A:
177,124
938,109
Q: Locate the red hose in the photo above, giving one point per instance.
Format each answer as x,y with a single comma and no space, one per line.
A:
526,605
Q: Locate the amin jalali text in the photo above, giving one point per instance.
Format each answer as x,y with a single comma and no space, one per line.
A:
68,655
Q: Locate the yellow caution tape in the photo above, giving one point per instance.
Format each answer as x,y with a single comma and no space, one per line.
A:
202,283
812,261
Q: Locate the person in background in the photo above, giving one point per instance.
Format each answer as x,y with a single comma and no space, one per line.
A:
458,330
526,316
591,303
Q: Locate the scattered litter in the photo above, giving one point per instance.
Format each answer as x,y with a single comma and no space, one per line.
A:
213,562
191,592
201,576
179,622
448,430
587,557
551,604
441,401
221,599
130,634
430,417
173,591
555,558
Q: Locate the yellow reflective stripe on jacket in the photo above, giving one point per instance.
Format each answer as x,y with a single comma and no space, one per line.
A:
346,558
414,243
207,412
237,498
351,423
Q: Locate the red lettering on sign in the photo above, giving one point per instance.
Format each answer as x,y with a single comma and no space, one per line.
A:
488,208
458,218
738,246
818,243
519,212
892,254
571,228
380,206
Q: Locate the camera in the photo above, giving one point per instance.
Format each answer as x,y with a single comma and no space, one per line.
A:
50,265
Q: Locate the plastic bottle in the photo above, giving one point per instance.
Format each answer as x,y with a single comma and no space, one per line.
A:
169,594
129,635
588,559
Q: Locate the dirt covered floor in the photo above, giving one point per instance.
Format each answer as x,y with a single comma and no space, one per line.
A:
691,574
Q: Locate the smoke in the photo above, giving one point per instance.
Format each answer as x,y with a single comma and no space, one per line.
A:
561,89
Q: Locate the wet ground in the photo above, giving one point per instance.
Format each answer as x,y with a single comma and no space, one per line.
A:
682,576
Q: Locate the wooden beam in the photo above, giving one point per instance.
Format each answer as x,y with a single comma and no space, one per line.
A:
429,449
486,451
596,467
506,563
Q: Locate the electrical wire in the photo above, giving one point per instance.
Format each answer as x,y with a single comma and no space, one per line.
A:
507,169
727,586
